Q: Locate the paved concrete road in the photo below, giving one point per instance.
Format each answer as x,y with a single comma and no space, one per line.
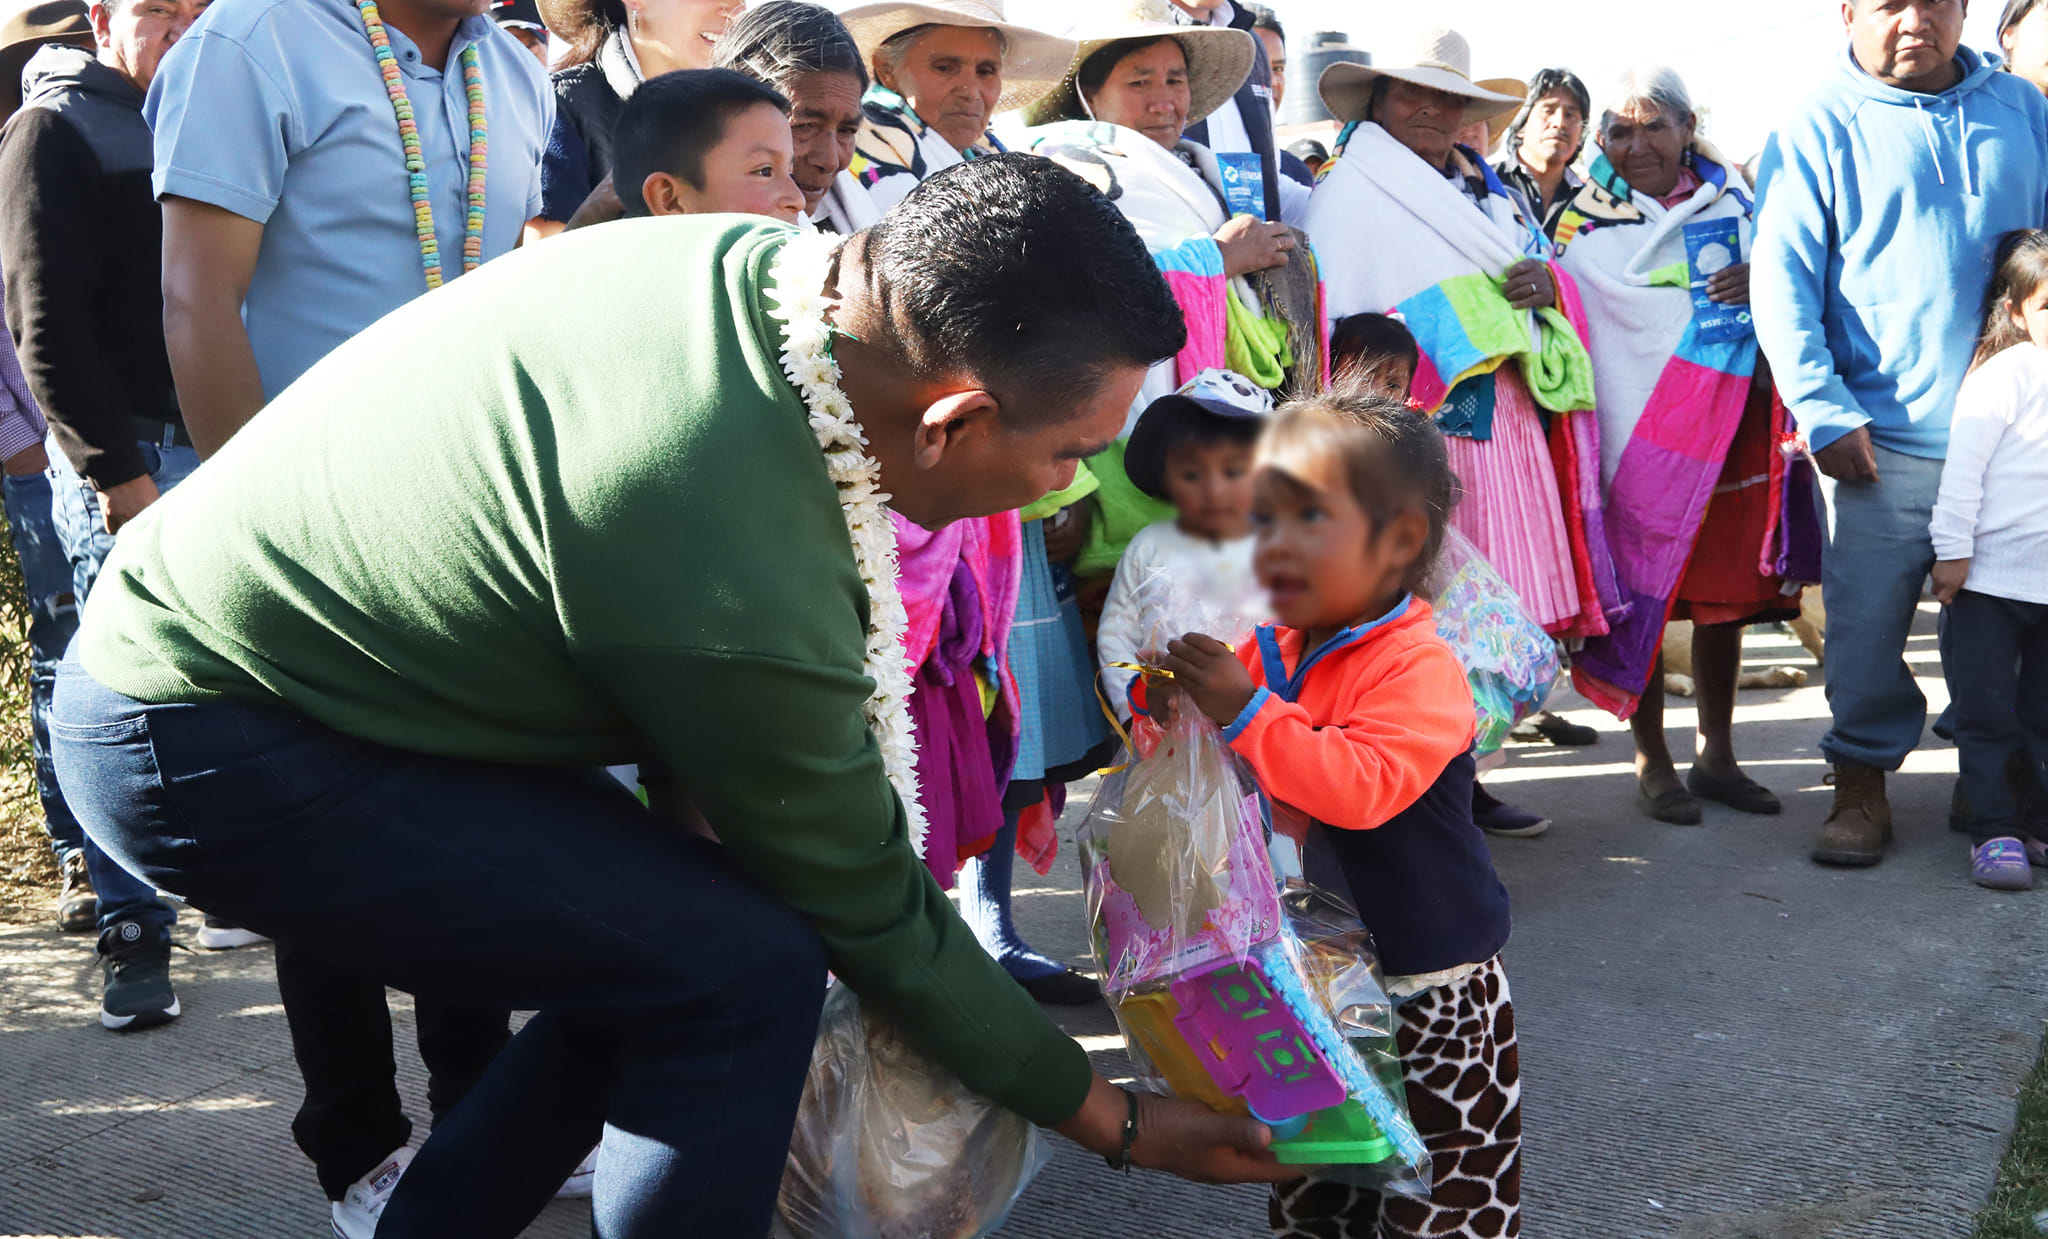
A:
1719,1039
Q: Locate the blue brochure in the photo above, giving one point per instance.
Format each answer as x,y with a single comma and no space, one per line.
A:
1244,184
1712,246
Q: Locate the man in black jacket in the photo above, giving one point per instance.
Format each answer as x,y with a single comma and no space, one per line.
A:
1245,124
81,242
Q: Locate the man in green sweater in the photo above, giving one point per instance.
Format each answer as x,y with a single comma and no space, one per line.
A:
355,699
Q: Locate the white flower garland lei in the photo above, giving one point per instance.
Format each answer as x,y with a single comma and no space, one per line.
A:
800,305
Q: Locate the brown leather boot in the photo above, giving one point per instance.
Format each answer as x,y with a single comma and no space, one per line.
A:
78,909
1859,827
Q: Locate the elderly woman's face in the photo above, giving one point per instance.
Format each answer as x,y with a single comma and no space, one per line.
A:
824,119
1424,120
1647,146
951,76
1554,131
1148,91
2026,47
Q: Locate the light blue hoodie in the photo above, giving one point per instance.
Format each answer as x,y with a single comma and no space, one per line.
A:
1877,213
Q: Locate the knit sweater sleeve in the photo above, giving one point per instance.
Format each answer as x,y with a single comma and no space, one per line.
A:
52,248
1401,727
776,755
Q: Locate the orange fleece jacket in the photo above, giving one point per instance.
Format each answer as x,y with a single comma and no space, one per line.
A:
1360,733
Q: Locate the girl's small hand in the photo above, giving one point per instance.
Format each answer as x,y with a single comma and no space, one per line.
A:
1210,675
1730,285
1950,575
1162,700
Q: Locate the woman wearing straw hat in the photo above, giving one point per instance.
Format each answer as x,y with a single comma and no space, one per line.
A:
943,69
1117,118
1406,221
614,45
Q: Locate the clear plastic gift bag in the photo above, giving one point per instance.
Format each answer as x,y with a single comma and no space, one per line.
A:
1510,662
890,1145
1228,990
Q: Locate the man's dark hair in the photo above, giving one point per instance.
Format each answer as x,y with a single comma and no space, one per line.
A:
1015,271
1264,18
1095,70
782,39
1546,81
673,121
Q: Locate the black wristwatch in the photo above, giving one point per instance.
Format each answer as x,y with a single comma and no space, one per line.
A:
1122,1161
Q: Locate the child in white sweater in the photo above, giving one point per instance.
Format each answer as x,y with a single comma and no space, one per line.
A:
1990,530
1193,449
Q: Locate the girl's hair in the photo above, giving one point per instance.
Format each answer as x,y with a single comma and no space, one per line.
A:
781,40
1393,458
2015,12
1364,342
2019,268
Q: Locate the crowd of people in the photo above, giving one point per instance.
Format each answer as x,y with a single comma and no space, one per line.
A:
651,619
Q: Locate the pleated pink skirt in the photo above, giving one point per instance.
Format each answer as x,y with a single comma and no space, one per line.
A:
1511,509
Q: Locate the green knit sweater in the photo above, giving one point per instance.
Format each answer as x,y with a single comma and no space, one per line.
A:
567,511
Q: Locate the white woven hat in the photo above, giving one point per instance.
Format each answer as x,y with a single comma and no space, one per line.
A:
1438,58
1034,62
1219,58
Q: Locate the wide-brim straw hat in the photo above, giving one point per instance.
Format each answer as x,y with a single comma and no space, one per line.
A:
1438,58
1034,62
567,20
1219,58
1497,125
26,29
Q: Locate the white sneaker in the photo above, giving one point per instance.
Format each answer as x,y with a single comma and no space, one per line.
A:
356,1213
219,935
577,1186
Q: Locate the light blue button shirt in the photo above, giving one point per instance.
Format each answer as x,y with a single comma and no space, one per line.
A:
275,110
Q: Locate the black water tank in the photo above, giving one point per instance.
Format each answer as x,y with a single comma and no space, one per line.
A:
1303,105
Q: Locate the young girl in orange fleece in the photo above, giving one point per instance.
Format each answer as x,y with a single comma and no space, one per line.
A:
1357,719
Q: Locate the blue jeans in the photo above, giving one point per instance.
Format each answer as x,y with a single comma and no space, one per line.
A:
678,1000
82,533
52,619
1875,566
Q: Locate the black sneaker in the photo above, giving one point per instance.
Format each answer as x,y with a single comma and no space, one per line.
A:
138,967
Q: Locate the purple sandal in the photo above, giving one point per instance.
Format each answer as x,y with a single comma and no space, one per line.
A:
2001,865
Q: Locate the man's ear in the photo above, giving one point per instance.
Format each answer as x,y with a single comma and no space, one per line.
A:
946,419
663,193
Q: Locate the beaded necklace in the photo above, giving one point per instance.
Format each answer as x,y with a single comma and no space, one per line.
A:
416,163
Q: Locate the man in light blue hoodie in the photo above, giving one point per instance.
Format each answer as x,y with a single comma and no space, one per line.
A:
1879,204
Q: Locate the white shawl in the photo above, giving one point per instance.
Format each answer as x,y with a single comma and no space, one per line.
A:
1387,226
1636,323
